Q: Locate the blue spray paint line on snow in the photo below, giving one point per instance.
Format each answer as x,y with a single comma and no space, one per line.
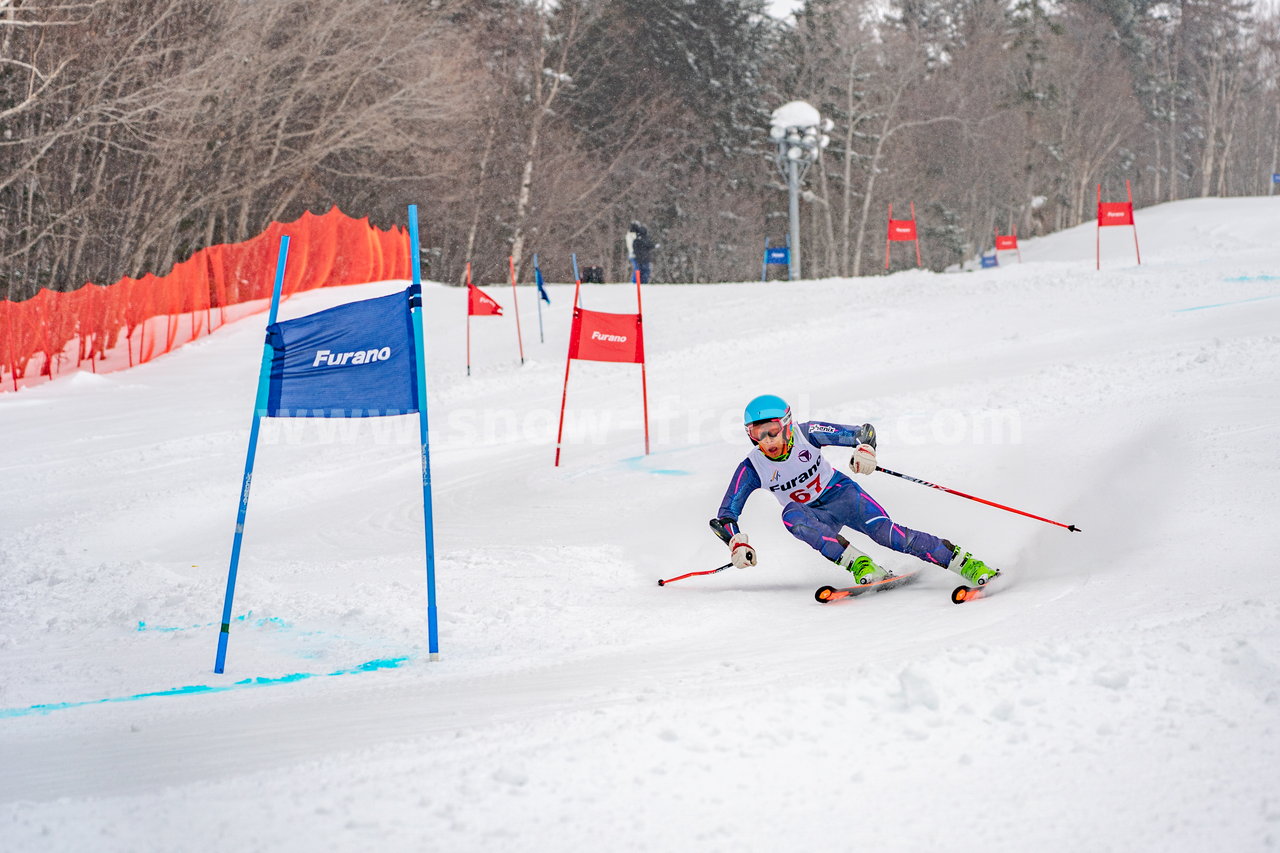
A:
1233,302
260,681
1254,278
262,622
274,621
636,463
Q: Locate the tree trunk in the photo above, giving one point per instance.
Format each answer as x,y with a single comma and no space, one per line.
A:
480,200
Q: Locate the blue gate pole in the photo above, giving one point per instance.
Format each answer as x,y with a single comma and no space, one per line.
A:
428,526
259,409
577,278
537,276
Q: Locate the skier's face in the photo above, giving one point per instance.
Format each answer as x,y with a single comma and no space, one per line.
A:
772,439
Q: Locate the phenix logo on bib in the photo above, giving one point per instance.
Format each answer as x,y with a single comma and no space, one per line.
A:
339,359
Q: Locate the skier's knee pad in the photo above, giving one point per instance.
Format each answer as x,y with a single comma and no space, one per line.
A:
799,521
881,532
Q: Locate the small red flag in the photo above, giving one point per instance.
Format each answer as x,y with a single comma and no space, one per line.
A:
480,304
597,336
1006,241
1115,213
902,229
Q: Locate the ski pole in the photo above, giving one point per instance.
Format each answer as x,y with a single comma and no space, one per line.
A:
1070,527
691,574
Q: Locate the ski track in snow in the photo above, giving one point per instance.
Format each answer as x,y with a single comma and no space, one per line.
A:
1120,691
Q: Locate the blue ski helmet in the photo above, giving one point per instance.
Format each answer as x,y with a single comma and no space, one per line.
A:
764,409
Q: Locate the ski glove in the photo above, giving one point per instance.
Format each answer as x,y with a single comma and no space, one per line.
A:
863,460
740,552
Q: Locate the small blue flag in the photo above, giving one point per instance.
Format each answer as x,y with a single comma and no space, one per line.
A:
352,361
542,291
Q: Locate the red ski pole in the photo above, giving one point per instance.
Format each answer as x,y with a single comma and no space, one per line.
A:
1070,527
691,574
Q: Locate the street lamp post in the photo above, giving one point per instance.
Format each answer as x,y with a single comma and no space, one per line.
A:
800,134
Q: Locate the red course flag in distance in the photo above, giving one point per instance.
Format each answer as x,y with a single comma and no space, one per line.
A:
902,229
480,304
1115,213
1006,241
600,336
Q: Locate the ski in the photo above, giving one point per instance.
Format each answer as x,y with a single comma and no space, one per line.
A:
961,594
828,594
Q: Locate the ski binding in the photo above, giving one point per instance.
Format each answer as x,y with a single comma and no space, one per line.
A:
828,594
961,594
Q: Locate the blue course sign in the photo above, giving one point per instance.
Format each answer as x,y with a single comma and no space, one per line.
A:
774,256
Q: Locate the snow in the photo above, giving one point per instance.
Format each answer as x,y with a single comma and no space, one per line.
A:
1121,692
795,114
782,9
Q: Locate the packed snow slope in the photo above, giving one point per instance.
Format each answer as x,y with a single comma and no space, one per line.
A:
1120,691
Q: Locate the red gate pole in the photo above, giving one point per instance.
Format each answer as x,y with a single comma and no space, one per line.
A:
1097,249
916,226
468,318
888,224
564,396
1129,192
644,382
515,298
568,360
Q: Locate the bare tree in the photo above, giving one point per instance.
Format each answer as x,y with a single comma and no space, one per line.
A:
188,123
547,75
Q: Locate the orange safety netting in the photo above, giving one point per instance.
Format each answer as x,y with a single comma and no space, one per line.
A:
153,314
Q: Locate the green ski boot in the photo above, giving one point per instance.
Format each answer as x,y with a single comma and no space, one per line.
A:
858,564
971,568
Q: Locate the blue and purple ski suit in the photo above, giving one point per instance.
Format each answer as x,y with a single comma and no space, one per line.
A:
815,511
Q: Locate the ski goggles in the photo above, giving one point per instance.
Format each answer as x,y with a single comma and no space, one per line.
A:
761,430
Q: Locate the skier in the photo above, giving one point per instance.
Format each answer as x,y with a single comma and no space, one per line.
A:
817,501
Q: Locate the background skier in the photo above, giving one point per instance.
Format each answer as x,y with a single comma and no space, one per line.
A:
818,501
640,250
